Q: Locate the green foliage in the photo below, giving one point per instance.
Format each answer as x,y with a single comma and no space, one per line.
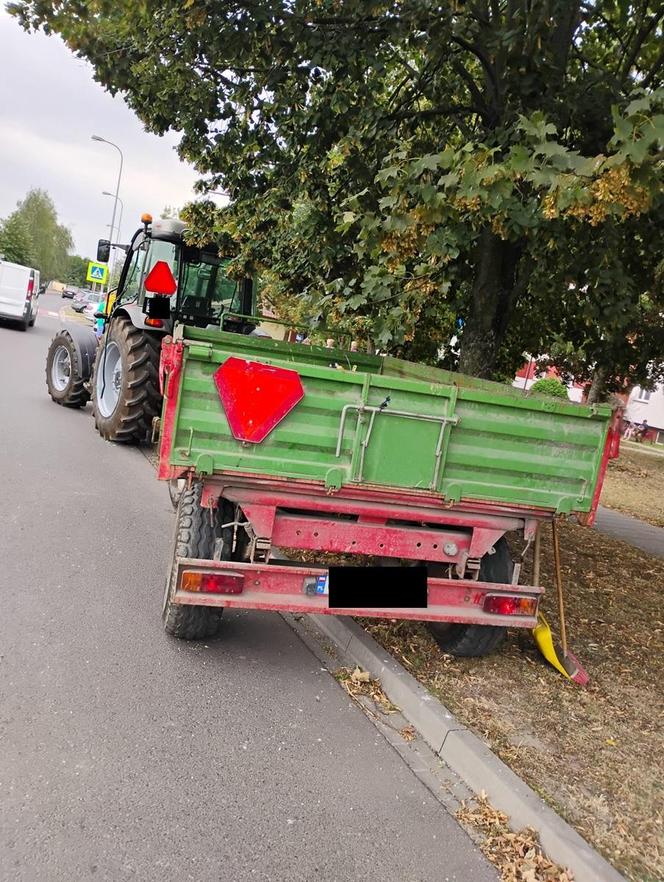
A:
77,269
16,243
51,241
410,170
170,212
550,386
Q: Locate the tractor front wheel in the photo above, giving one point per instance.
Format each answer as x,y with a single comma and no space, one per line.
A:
125,382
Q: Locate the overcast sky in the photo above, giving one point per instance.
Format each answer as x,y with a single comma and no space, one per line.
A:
49,107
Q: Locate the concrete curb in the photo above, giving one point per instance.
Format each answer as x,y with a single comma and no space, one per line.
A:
466,754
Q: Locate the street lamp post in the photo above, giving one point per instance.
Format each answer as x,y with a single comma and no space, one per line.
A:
119,227
117,186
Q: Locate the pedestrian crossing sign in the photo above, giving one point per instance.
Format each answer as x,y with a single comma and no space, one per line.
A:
97,272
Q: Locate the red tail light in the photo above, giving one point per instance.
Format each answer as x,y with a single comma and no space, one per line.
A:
212,583
31,288
510,605
154,322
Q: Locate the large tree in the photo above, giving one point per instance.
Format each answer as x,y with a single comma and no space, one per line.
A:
414,169
52,241
16,243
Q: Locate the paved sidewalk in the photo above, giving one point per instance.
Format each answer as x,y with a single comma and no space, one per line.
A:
632,530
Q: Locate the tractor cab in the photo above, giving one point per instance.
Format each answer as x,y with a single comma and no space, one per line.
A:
164,280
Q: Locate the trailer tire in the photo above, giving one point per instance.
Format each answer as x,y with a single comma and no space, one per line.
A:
472,641
126,417
195,536
64,382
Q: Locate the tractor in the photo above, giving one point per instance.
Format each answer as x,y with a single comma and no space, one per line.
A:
163,281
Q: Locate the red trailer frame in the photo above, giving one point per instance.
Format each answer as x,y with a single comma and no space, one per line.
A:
361,520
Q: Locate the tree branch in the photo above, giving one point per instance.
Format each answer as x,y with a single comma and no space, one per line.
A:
654,70
643,33
431,112
472,87
479,54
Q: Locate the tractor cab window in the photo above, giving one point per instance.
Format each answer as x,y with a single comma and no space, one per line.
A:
145,254
134,273
206,292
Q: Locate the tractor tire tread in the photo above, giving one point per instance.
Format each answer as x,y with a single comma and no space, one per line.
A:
132,420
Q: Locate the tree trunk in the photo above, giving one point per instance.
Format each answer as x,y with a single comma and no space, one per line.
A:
494,295
597,385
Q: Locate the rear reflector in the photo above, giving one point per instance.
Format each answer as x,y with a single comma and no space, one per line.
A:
212,583
154,323
510,605
160,279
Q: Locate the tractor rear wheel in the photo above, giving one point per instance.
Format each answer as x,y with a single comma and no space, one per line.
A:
125,382
470,641
196,535
65,384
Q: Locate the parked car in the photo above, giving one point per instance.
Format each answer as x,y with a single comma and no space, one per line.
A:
19,293
84,299
91,309
69,292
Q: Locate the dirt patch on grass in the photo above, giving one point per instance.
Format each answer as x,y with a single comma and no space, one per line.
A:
595,754
634,485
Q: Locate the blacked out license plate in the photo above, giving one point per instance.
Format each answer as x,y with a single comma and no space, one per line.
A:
394,587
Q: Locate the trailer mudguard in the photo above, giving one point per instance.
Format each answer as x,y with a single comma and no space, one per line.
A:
85,344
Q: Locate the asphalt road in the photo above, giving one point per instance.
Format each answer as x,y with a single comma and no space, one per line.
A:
129,755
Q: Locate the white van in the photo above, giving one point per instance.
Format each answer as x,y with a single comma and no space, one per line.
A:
19,293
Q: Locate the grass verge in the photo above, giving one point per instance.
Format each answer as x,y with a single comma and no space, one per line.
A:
634,484
595,754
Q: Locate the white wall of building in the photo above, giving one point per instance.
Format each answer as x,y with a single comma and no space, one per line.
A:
646,406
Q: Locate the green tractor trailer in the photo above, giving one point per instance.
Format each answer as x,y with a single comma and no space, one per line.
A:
410,475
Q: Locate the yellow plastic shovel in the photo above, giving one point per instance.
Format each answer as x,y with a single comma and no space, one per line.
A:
565,662
544,640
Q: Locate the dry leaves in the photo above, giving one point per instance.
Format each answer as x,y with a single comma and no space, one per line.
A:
518,856
358,682
596,755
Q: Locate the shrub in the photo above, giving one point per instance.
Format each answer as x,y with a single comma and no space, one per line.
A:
550,386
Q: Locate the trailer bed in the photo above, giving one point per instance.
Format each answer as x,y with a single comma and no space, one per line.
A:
385,423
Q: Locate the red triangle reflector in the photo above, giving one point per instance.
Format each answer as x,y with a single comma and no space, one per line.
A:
160,279
256,396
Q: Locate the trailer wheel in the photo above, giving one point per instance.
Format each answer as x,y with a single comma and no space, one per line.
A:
471,641
195,536
65,384
125,384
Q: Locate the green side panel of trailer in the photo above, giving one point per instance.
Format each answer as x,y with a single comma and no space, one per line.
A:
440,432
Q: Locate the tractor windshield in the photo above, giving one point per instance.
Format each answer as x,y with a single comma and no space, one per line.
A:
145,253
206,292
